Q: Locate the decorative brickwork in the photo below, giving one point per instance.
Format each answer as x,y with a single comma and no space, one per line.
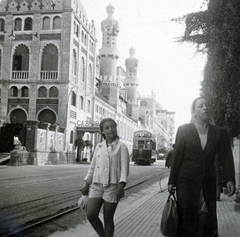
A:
47,101
18,101
50,36
23,37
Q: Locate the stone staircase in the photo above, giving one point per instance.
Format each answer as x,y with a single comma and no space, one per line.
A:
4,158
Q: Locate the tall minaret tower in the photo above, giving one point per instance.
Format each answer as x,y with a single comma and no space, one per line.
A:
108,57
131,82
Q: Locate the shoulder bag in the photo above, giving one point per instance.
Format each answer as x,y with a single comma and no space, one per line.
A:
170,220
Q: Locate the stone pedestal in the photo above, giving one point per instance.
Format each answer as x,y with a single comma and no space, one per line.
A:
18,158
31,134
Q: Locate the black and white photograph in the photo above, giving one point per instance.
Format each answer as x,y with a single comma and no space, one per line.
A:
119,118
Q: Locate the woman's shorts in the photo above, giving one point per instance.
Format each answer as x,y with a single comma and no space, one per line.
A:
108,194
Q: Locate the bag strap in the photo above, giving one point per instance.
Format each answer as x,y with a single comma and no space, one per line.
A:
173,195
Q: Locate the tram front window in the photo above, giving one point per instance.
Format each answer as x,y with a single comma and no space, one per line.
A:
141,145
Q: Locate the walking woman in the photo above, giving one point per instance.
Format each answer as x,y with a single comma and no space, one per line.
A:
193,172
107,176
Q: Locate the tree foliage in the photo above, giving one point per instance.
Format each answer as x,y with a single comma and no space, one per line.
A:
216,32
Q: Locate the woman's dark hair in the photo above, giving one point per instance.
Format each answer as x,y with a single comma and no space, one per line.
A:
104,121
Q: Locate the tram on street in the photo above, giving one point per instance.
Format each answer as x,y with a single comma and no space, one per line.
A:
144,146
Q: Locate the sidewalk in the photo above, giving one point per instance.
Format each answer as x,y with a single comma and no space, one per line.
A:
140,215
145,220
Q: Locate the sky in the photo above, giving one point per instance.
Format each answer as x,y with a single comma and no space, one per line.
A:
173,71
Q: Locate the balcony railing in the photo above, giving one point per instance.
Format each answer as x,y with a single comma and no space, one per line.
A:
20,74
49,75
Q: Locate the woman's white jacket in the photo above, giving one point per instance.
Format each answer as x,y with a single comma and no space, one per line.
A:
110,165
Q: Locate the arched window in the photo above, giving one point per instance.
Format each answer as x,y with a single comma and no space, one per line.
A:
18,116
18,24
21,59
83,69
89,106
14,91
71,137
2,25
81,103
46,23
85,40
24,91
57,22
143,103
74,63
50,58
28,23
47,116
53,92
73,101
92,48
82,37
89,81
76,29
42,91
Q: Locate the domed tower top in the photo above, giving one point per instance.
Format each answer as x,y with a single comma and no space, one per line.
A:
131,63
110,10
132,52
110,22
110,29
131,81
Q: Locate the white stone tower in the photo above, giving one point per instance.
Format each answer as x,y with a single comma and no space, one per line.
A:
131,82
108,57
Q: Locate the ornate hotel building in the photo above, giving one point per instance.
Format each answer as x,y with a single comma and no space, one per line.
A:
53,78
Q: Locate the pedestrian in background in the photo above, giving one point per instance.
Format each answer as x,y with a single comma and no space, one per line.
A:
193,172
107,175
79,143
169,157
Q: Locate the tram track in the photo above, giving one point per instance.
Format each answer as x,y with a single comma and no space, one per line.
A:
33,213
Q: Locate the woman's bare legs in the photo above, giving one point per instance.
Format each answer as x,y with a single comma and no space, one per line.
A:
93,209
108,215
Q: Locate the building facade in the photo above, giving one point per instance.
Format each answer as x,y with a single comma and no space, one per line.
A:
53,78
